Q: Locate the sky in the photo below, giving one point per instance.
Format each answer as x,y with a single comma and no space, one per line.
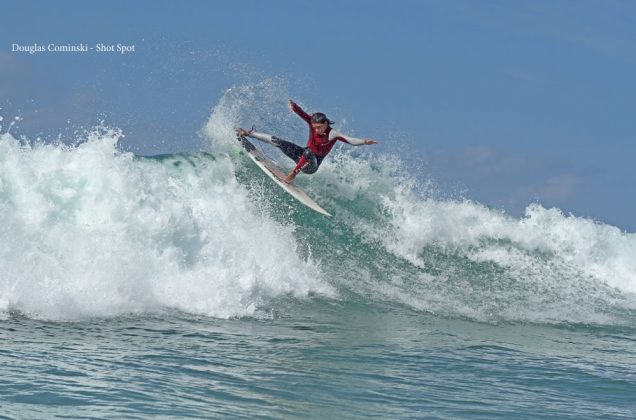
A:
502,102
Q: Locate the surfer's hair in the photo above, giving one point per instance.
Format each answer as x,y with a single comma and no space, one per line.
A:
319,117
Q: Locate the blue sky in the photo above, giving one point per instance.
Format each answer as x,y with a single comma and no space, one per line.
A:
508,102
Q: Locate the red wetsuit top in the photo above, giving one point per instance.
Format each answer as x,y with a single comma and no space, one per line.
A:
321,144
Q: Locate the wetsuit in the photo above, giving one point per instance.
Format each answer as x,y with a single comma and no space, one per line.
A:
309,158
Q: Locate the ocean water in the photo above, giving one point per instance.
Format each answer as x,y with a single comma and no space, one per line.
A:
189,285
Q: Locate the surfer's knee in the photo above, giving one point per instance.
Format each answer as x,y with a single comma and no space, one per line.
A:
312,163
276,141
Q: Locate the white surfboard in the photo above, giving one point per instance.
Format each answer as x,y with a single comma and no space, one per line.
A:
277,175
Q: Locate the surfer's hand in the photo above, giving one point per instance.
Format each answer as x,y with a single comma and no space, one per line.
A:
369,142
291,105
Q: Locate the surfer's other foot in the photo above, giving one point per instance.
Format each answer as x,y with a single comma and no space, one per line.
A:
241,132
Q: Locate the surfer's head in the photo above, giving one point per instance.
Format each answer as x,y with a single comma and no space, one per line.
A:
320,118
320,122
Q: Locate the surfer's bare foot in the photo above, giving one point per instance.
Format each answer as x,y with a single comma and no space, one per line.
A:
241,132
289,178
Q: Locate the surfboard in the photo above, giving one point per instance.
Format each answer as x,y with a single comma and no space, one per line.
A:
277,175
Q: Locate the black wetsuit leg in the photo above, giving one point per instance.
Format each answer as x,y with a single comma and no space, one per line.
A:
291,150
295,152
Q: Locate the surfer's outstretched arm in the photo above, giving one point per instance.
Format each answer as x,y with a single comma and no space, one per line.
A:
294,107
334,135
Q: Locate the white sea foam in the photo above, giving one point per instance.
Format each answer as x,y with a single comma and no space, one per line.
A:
483,234
545,266
91,231
262,105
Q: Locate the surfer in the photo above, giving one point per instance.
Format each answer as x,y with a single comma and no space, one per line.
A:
322,138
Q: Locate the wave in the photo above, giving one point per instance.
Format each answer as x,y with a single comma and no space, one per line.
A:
89,230
401,242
